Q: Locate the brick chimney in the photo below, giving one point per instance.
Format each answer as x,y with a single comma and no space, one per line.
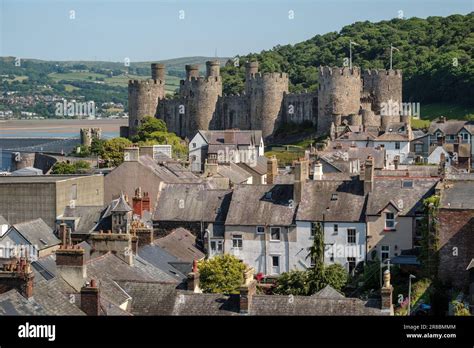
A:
386,293
119,244
272,170
17,274
141,202
193,279
71,264
90,299
246,291
369,175
301,175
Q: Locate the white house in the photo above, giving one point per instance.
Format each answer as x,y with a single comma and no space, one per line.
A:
337,206
226,146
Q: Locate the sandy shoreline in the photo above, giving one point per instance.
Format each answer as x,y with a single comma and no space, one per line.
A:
11,127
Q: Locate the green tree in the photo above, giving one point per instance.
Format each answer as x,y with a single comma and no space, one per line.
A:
429,237
293,283
97,146
113,150
148,126
63,168
221,274
336,276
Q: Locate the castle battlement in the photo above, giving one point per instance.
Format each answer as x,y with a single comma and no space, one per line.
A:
382,72
145,83
276,76
335,71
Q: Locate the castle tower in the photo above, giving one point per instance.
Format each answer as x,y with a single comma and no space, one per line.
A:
385,87
339,95
213,68
143,97
158,71
199,96
265,93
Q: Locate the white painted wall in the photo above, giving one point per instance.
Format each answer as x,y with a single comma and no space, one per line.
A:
304,240
196,148
391,151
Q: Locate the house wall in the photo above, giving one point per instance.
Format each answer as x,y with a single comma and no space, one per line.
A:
299,259
89,192
402,237
391,152
257,249
127,177
456,239
435,156
21,202
199,152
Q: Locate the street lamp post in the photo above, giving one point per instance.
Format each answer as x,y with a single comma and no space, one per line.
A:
409,292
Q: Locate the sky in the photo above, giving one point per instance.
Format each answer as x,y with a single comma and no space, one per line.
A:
153,30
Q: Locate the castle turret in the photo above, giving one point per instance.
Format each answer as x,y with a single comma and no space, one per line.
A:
192,71
143,97
158,71
266,92
339,95
199,97
213,68
385,87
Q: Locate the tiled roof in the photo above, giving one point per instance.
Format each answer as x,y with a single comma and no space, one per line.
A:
407,200
241,137
13,303
457,194
261,205
181,244
450,127
38,233
332,200
191,202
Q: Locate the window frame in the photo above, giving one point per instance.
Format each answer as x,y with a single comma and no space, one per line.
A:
257,227
387,227
350,229
271,234
382,252
397,145
237,238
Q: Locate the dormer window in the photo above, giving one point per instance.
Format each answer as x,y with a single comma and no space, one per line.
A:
389,221
407,183
334,197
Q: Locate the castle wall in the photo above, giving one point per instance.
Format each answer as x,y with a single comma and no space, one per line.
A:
338,95
266,96
384,86
300,108
143,99
233,111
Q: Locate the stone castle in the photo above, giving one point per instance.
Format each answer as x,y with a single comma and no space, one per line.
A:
345,97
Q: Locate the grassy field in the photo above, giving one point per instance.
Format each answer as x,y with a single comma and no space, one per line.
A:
172,82
430,112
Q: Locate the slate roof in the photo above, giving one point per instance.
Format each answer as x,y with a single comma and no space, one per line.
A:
463,151
181,244
28,171
121,206
109,268
332,200
260,167
13,303
168,172
328,292
458,195
162,260
357,136
254,205
242,137
407,200
235,173
88,217
338,157
37,232
154,298
198,203
450,127
55,297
